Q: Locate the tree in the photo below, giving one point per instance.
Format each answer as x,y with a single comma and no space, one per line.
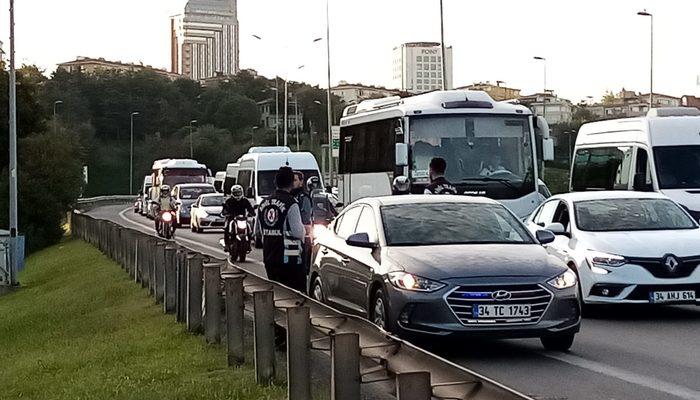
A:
609,97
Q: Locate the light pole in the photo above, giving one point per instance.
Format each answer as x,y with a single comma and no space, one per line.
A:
329,105
645,13
296,117
194,121
277,102
442,47
131,154
252,135
55,103
13,152
286,107
544,98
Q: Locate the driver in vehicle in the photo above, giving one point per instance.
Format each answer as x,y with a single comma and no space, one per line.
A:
493,167
438,183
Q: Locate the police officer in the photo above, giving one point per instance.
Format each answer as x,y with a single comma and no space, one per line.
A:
306,210
438,183
283,233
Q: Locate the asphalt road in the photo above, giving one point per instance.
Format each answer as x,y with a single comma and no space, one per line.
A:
634,353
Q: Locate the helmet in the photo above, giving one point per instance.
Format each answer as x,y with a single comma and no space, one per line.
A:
164,191
237,192
313,183
402,184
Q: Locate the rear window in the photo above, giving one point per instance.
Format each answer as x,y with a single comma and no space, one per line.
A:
266,180
212,201
193,193
631,215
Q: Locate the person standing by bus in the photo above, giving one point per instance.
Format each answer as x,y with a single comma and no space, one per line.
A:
438,183
283,233
306,209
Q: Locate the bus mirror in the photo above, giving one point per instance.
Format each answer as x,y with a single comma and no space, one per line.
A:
547,149
401,154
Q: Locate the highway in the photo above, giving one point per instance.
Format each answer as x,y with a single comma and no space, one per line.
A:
621,353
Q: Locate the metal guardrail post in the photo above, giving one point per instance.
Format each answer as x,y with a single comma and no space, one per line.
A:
181,285
212,303
298,353
194,293
159,272
264,336
146,262
170,279
413,386
345,366
233,287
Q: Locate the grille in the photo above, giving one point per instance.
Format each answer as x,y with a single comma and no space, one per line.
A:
656,266
463,299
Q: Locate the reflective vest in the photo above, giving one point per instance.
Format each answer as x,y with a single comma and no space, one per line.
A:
279,247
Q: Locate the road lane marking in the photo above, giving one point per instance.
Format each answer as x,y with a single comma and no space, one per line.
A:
628,376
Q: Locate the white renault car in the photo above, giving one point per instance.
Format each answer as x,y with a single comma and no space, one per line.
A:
626,247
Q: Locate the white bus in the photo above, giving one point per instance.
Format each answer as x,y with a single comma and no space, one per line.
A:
659,152
172,172
489,146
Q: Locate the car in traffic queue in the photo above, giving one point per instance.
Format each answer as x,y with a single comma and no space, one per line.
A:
626,247
206,212
445,265
185,195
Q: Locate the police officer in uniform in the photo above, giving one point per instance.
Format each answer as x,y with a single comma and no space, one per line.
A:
283,233
438,183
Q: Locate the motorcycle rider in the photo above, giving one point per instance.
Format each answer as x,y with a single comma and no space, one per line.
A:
438,183
279,218
164,203
236,205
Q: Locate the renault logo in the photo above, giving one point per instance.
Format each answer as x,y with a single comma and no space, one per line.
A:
671,263
501,295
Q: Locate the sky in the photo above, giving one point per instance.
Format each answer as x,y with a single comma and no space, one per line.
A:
591,46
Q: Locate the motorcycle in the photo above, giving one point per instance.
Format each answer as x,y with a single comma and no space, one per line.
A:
166,224
239,239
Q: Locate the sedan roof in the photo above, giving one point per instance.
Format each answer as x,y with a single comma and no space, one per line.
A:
425,199
608,195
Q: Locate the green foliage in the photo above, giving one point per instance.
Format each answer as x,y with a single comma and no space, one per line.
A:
79,329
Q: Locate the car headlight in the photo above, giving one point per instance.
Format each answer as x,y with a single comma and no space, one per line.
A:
406,281
564,281
599,261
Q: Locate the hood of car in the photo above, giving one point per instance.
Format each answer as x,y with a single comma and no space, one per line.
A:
682,243
476,261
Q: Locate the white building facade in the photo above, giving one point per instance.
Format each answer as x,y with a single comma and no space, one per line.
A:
417,67
355,93
205,39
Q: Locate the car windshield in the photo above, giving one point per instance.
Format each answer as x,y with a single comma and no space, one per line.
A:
266,180
478,149
451,223
631,215
194,192
212,201
678,167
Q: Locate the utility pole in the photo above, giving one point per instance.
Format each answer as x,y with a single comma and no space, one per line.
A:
277,112
296,117
645,13
194,121
131,155
14,246
329,105
442,47
55,103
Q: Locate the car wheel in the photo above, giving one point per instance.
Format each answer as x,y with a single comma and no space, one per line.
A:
558,342
316,291
379,311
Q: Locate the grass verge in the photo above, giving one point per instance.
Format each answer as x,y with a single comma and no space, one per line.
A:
79,329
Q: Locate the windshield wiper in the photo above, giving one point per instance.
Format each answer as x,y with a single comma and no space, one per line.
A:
505,182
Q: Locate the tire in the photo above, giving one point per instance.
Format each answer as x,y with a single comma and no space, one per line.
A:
316,290
558,342
379,311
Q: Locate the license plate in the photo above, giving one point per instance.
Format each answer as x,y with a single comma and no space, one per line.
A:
677,296
501,311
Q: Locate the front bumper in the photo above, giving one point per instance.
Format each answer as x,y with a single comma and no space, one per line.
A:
212,222
432,314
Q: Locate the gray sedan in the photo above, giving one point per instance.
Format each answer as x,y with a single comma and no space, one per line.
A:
443,265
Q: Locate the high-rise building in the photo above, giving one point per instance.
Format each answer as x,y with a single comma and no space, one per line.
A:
417,67
205,39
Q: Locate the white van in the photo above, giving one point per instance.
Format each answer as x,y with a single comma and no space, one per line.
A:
659,152
257,169
231,177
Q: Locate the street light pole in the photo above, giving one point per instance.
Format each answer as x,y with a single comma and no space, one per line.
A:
651,59
277,112
13,153
194,121
252,135
544,98
131,155
286,106
442,47
329,105
55,103
296,118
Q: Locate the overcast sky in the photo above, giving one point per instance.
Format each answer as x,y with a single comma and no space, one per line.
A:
591,45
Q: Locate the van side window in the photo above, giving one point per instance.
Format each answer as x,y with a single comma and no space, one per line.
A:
606,168
244,176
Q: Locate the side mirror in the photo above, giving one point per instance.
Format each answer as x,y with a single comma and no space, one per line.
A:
640,183
545,236
556,228
547,149
361,240
401,154
250,192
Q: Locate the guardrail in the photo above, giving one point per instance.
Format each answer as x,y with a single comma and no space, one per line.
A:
92,202
189,284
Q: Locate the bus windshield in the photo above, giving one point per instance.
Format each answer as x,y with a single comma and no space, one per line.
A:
176,176
489,149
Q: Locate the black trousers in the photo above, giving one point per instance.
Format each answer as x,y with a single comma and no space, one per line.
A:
291,275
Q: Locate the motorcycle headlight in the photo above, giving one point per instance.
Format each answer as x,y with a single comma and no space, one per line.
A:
564,281
597,261
406,281
167,217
